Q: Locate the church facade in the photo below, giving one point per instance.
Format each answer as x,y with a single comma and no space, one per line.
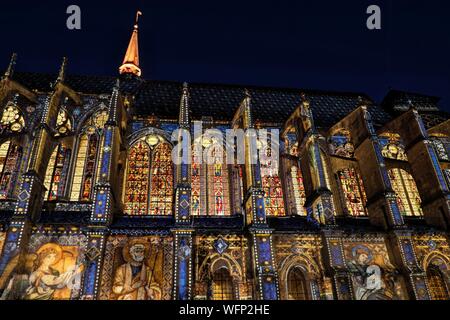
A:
92,205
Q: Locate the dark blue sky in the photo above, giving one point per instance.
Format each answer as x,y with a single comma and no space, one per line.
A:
305,44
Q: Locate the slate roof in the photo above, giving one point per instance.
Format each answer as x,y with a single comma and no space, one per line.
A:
397,102
269,105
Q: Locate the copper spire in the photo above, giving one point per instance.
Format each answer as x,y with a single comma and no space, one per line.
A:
130,64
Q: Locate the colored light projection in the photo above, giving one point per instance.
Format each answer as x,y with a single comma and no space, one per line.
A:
137,268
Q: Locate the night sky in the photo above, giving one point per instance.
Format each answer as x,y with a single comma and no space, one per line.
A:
300,44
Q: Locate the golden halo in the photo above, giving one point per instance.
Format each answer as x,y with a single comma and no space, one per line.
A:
130,243
53,247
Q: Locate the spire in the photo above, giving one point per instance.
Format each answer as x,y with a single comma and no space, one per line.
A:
62,70
184,107
10,70
130,64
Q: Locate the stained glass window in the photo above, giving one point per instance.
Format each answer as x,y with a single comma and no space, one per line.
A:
56,174
88,157
408,198
12,118
149,178
210,183
353,191
392,147
297,285
340,144
198,186
222,285
161,181
298,190
271,182
436,284
238,188
10,157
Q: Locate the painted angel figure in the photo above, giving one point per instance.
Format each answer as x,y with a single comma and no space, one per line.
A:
45,280
369,284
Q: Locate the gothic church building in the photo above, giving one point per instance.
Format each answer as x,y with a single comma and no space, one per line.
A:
93,207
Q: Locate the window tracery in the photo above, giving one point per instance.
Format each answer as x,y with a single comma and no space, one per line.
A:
12,118
408,198
149,178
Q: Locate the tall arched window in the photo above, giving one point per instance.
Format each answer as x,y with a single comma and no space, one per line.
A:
88,157
222,285
297,285
149,173
56,174
10,158
161,189
352,191
271,182
436,284
408,198
297,190
210,182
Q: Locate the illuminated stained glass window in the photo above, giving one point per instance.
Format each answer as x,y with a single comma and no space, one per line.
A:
271,182
149,178
88,157
436,284
222,285
297,285
161,181
408,198
56,174
198,206
353,191
340,144
392,147
238,188
10,157
210,183
12,118
298,190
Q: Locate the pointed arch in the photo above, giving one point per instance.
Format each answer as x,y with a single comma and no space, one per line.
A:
352,190
10,160
56,173
88,156
271,181
148,187
408,197
210,182
310,276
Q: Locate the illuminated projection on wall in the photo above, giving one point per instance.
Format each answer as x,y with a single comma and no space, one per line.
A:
52,268
373,275
221,272
137,268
